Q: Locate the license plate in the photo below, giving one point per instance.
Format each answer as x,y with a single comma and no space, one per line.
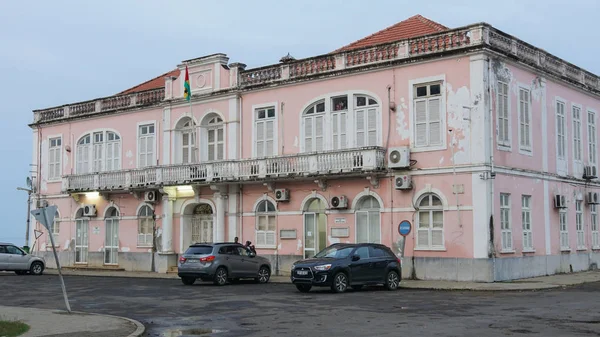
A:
193,261
302,272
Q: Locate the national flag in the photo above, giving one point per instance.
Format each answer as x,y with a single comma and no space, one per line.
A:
187,93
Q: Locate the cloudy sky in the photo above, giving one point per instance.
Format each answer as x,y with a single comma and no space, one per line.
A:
56,52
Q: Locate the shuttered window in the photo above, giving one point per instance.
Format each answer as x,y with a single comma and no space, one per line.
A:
365,118
560,130
428,115
113,151
314,128
265,132
577,147
524,120
502,111
54,158
83,154
430,230
146,145
216,139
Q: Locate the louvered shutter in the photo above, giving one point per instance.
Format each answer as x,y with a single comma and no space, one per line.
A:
421,123
360,128
260,139
435,122
372,127
319,130
308,134
269,137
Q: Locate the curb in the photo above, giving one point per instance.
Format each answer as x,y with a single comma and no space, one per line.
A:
140,328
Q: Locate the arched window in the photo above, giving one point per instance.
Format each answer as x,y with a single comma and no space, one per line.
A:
111,238
266,220
430,231
202,223
186,132
366,111
214,137
97,152
145,226
313,121
368,220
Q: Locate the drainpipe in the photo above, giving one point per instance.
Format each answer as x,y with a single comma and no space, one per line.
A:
491,250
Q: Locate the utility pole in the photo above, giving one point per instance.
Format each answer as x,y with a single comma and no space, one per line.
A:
29,191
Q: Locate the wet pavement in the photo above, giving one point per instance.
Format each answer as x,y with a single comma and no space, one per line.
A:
168,308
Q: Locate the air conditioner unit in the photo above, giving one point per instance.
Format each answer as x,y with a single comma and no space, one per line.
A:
592,198
41,203
151,196
282,194
89,210
560,201
403,182
398,157
590,172
339,202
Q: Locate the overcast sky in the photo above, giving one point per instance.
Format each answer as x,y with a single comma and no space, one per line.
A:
57,52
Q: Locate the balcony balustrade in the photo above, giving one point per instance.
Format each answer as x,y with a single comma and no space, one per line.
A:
359,161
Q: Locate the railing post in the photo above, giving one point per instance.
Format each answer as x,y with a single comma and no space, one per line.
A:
96,181
133,100
313,163
285,72
159,176
402,50
262,168
98,106
369,159
340,61
65,184
128,179
209,172
66,111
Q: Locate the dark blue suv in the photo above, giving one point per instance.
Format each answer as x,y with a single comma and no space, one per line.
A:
344,265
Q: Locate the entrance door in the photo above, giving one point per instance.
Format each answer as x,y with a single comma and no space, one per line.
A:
202,229
111,242
310,235
315,228
81,241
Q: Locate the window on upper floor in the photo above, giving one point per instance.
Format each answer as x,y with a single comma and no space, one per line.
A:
577,146
146,145
561,142
325,123
215,137
591,136
503,112
99,151
186,141
54,158
428,117
264,132
524,120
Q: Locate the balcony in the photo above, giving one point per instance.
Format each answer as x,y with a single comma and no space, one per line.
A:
350,162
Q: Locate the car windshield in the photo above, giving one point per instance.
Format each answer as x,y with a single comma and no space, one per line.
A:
199,250
335,252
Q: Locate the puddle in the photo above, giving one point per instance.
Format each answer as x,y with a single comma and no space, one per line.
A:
190,332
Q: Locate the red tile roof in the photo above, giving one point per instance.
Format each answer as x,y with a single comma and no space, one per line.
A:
155,83
412,27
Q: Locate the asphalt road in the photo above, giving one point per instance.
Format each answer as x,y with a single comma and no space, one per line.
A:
249,309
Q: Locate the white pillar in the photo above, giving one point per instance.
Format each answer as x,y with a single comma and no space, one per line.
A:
167,224
220,226
232,214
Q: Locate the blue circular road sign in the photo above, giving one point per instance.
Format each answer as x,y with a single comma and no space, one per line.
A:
404,228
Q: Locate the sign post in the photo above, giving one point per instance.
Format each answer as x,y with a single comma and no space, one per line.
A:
45,216
404,229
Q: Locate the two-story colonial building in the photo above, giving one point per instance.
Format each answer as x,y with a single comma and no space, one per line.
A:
485,143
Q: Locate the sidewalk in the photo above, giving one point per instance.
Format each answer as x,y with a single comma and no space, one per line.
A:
536,283
59,323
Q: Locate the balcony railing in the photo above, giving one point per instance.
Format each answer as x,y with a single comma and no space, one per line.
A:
350,161
137,99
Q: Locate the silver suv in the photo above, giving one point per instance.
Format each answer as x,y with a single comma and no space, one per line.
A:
13,258
222,262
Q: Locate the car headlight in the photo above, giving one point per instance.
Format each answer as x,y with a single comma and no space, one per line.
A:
323,267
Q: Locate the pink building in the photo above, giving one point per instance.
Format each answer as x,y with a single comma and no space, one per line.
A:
485,143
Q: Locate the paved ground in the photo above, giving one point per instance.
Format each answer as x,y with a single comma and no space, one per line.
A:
165,305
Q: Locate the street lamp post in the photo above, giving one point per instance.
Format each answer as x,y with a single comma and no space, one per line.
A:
28,212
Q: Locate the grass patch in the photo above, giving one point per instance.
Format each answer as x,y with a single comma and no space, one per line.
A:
12,328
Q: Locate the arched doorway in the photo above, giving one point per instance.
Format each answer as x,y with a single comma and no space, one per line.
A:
315,227
198,224
111,237
82,225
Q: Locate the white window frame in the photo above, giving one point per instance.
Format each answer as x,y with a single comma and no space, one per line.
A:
527,223
579,225
367,129
87,148
562,163
412,85
92,147
506,236
368,212
563,226
592,137
54,166
179,131
577,130
54,231
255,123
430,209
149,227
503,144
594,226
313,119
267,215
137,148
207,127
525,142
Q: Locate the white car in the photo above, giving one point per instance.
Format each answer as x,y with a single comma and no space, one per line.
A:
13,258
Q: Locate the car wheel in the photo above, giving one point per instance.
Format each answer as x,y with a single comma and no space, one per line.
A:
188,281
220,276
304,288
264,274
340,283
37,268
358,287
392,280
20,272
